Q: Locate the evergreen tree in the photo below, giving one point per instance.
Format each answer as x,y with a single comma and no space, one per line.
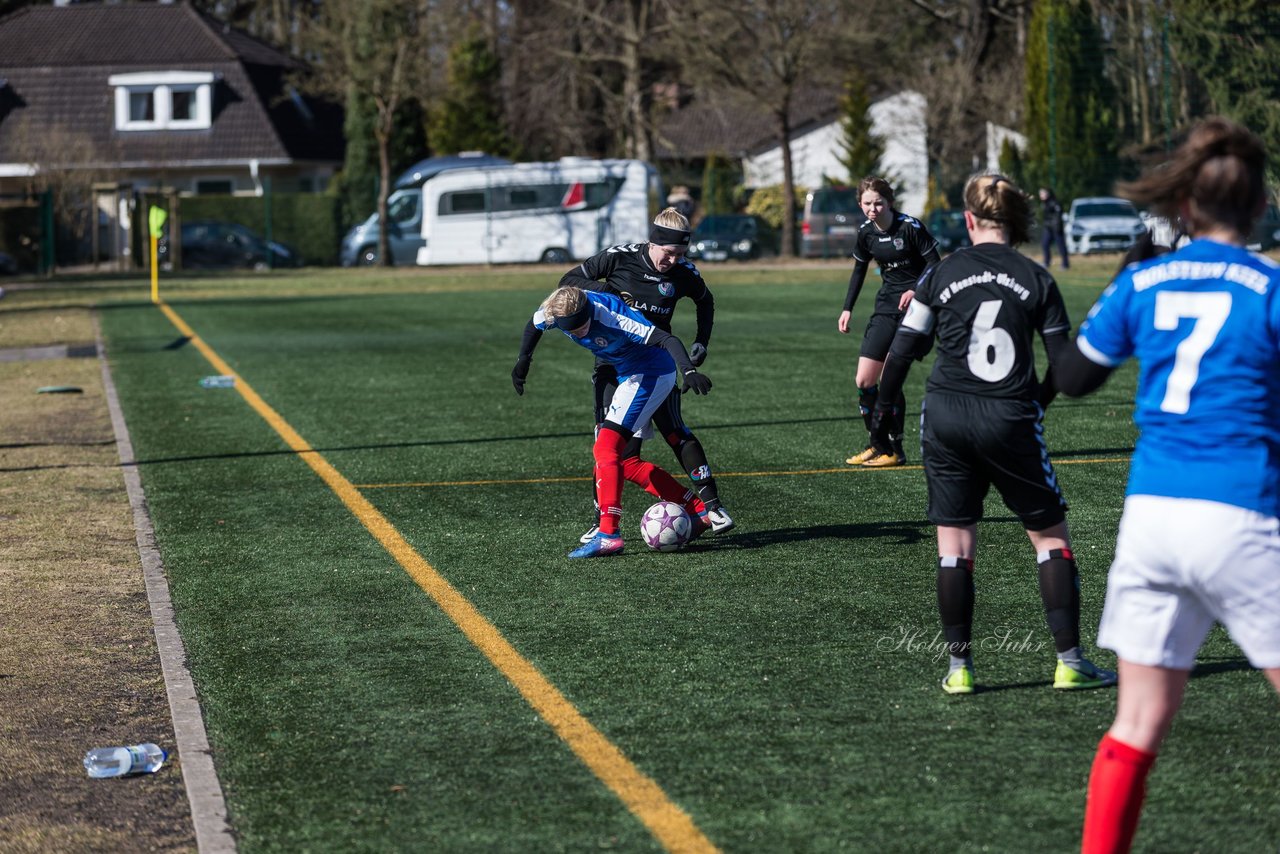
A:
357,184
469,117
720,182
860,149
1070,121
1011,165
1234,50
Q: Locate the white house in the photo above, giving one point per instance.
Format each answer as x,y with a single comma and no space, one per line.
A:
996,135
899,120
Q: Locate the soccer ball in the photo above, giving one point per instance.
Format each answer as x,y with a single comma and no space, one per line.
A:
665,527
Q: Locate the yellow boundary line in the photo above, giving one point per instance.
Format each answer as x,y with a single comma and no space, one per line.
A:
422,484
673,828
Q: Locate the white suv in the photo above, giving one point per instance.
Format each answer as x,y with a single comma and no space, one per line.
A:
1102,224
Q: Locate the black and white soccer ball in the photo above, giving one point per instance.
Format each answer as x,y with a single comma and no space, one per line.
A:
665,527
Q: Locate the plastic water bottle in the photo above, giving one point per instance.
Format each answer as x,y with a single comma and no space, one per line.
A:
123,761
219,381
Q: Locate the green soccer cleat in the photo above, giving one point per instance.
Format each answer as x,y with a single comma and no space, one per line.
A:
1087,675
959,680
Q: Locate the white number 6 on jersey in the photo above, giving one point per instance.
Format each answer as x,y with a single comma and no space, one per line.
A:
1210,312
991,351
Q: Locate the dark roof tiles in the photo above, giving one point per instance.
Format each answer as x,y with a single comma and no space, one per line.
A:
57,62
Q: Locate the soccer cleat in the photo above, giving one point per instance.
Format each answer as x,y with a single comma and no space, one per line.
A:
601,545
1068,677
862,456
590,534
959,680
719,520
882,461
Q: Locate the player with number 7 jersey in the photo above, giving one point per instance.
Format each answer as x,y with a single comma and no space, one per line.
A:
1204,323
1199,541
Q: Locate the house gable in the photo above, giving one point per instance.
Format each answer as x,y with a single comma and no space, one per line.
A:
152,87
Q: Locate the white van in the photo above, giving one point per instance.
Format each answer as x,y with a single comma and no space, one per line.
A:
554,212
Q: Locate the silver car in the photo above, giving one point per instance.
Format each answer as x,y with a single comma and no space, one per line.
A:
1102,224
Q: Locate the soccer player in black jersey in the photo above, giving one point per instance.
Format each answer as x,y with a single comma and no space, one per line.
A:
982,419
903,248
651,278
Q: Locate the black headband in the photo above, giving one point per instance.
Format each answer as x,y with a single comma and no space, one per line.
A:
570,322
664,236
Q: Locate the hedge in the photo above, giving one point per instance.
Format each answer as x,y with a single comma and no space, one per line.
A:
309,222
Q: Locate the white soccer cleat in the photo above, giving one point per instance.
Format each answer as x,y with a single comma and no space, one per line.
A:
719,520
589,535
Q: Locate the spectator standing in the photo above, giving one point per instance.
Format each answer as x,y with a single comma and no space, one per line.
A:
1052,228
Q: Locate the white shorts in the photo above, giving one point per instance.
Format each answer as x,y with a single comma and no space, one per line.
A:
637,397
1183,564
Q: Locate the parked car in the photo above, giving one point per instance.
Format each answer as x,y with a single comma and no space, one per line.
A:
737,237
1266,231
1102,224
404,238
215,245
947,227
829,226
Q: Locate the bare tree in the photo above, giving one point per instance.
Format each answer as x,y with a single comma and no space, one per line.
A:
765,51
611,42
966,58
380,50
67,164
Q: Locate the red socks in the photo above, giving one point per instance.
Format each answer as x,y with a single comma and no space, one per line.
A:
658,483
611,470
1117,786
607,452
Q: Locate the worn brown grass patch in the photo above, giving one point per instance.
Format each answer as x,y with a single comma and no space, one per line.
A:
78,660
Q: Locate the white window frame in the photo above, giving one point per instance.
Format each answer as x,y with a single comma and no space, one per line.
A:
161,85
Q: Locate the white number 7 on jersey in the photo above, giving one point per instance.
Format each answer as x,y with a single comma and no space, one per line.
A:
1210,312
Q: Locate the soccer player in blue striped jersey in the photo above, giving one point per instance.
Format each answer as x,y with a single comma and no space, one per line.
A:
646,359
1199,540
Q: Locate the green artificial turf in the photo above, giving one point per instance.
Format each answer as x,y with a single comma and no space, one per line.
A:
780,683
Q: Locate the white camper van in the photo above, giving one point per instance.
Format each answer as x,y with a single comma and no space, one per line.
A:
528,212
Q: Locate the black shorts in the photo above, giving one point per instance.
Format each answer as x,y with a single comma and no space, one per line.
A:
879,335
666,419
970,444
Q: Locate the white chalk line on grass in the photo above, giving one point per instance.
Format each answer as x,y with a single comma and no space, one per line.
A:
204,792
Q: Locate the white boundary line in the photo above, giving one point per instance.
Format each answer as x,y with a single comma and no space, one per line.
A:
208,808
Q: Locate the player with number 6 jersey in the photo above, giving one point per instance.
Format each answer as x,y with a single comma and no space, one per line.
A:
980,425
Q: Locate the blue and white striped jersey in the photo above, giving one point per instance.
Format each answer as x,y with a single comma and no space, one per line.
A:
618,335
